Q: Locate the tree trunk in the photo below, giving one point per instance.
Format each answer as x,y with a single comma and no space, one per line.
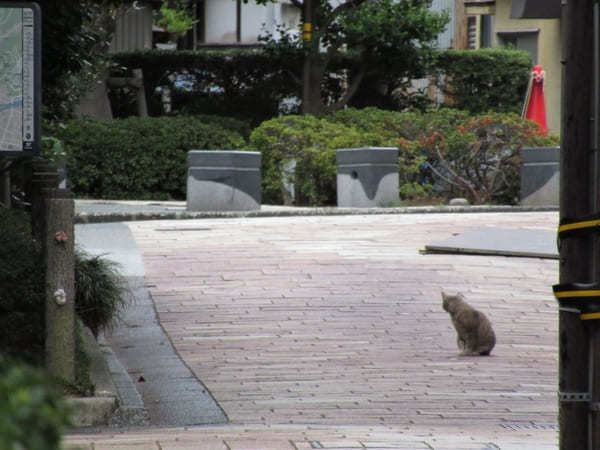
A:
313,74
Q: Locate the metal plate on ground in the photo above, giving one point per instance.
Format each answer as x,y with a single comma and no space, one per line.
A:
500,241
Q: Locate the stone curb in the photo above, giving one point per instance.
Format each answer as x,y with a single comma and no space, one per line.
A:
84,217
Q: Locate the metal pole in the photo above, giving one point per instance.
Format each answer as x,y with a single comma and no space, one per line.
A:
307,28
238,21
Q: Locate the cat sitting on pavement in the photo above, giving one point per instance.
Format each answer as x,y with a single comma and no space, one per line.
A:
475,335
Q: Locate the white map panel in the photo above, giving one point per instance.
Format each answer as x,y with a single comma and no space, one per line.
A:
17,130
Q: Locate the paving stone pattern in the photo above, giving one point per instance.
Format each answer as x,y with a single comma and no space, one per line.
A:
328,332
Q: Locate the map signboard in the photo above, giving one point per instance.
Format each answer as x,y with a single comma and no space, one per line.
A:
20,78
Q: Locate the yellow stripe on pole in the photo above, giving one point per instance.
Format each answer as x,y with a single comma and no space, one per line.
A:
307,31
567,294
590,316
579,225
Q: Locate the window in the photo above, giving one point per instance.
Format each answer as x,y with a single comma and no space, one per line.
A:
521,39
487,26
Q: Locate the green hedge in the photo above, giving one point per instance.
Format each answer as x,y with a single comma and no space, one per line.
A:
312,143
246,84
442,153
486,80
138,158
250,84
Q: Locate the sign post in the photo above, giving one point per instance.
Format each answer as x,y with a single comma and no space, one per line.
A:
20,86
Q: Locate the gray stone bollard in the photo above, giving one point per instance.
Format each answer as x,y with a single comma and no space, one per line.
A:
367,177
540,176
223,180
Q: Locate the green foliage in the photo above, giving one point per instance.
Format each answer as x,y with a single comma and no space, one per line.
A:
393,129
176,21
392,36
445,152
32,414
137,158
75,40
22,289
312,143
245,84
478,157
22,297
251,84
485,80
101,291
380,127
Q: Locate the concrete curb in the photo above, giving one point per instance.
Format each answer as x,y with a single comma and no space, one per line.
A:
116,401
86,214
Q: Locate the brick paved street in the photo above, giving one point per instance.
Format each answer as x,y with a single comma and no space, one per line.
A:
328,332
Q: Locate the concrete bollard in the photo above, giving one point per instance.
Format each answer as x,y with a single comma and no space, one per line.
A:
540,176
223,180
367,177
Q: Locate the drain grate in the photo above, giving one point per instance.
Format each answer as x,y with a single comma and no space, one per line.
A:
517,426
183,229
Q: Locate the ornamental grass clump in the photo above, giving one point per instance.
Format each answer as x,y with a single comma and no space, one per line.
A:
101,292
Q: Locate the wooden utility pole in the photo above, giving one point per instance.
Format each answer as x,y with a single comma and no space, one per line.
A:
576,200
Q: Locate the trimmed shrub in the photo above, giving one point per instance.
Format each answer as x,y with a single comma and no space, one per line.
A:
383,128
478,157
442,153
32,414
312,143
137,158
488,79
379,126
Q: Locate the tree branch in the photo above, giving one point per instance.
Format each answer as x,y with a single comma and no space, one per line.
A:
463,182
347,6
350,91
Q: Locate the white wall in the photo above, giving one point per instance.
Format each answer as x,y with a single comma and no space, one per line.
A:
253,18
445,40
220,21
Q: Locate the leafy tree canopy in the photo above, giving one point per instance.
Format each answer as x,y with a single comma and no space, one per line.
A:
391,34
75,39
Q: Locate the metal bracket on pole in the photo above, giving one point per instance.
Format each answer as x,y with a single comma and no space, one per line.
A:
574,396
